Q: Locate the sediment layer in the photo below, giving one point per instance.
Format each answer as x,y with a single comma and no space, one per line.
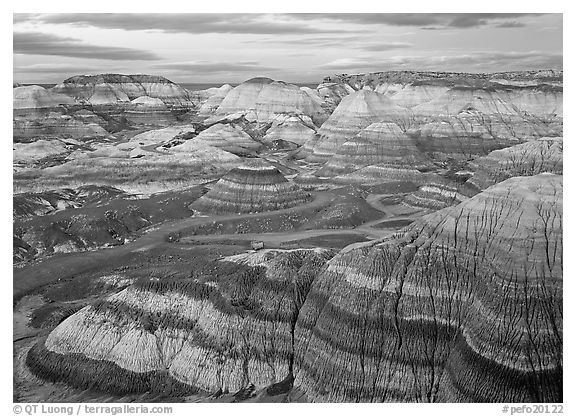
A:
463,306
226,328
254,187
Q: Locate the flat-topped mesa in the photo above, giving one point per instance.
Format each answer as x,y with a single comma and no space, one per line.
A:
148,110
227,327
379,143
450,79
526,159
465,305
115,89
354,113
256,186
412,88
262,99
36,101
505,101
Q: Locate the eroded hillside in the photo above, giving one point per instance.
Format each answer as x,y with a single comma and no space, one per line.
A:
394,236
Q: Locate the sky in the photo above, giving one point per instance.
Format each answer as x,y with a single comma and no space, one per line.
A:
213,48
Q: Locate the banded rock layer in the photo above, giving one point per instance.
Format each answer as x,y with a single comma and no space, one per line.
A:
294,129
464,306
254,187
227,137
379,143
148,110
57,125
262,99
526,159
211,99
354,113
226,327
435,195
516,101
471,132
108,89
35,100
536,92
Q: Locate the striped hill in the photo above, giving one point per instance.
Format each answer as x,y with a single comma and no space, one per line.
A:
256,186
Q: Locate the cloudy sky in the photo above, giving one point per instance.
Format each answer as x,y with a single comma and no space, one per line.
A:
290,47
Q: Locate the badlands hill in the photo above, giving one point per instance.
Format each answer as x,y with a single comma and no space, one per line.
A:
435,313
405,318
449,115
31,100
377,144
354,113
210,98
387,80
411,223
295,129
113,88
148,110
527,159
254,187
227,137
228,327
262,99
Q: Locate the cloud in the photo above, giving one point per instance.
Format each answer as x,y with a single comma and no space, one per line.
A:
55,73
454,20
249,23
195,67
380,47
36,43
276,24
350,42
512,24
54,69
473,62
315,41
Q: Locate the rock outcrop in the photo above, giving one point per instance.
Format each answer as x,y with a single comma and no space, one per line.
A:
464,306
436,194
384,173
354,113
332,93
211,99
263,99
295,129
255,187
29,153
526,159
27,205
226,137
